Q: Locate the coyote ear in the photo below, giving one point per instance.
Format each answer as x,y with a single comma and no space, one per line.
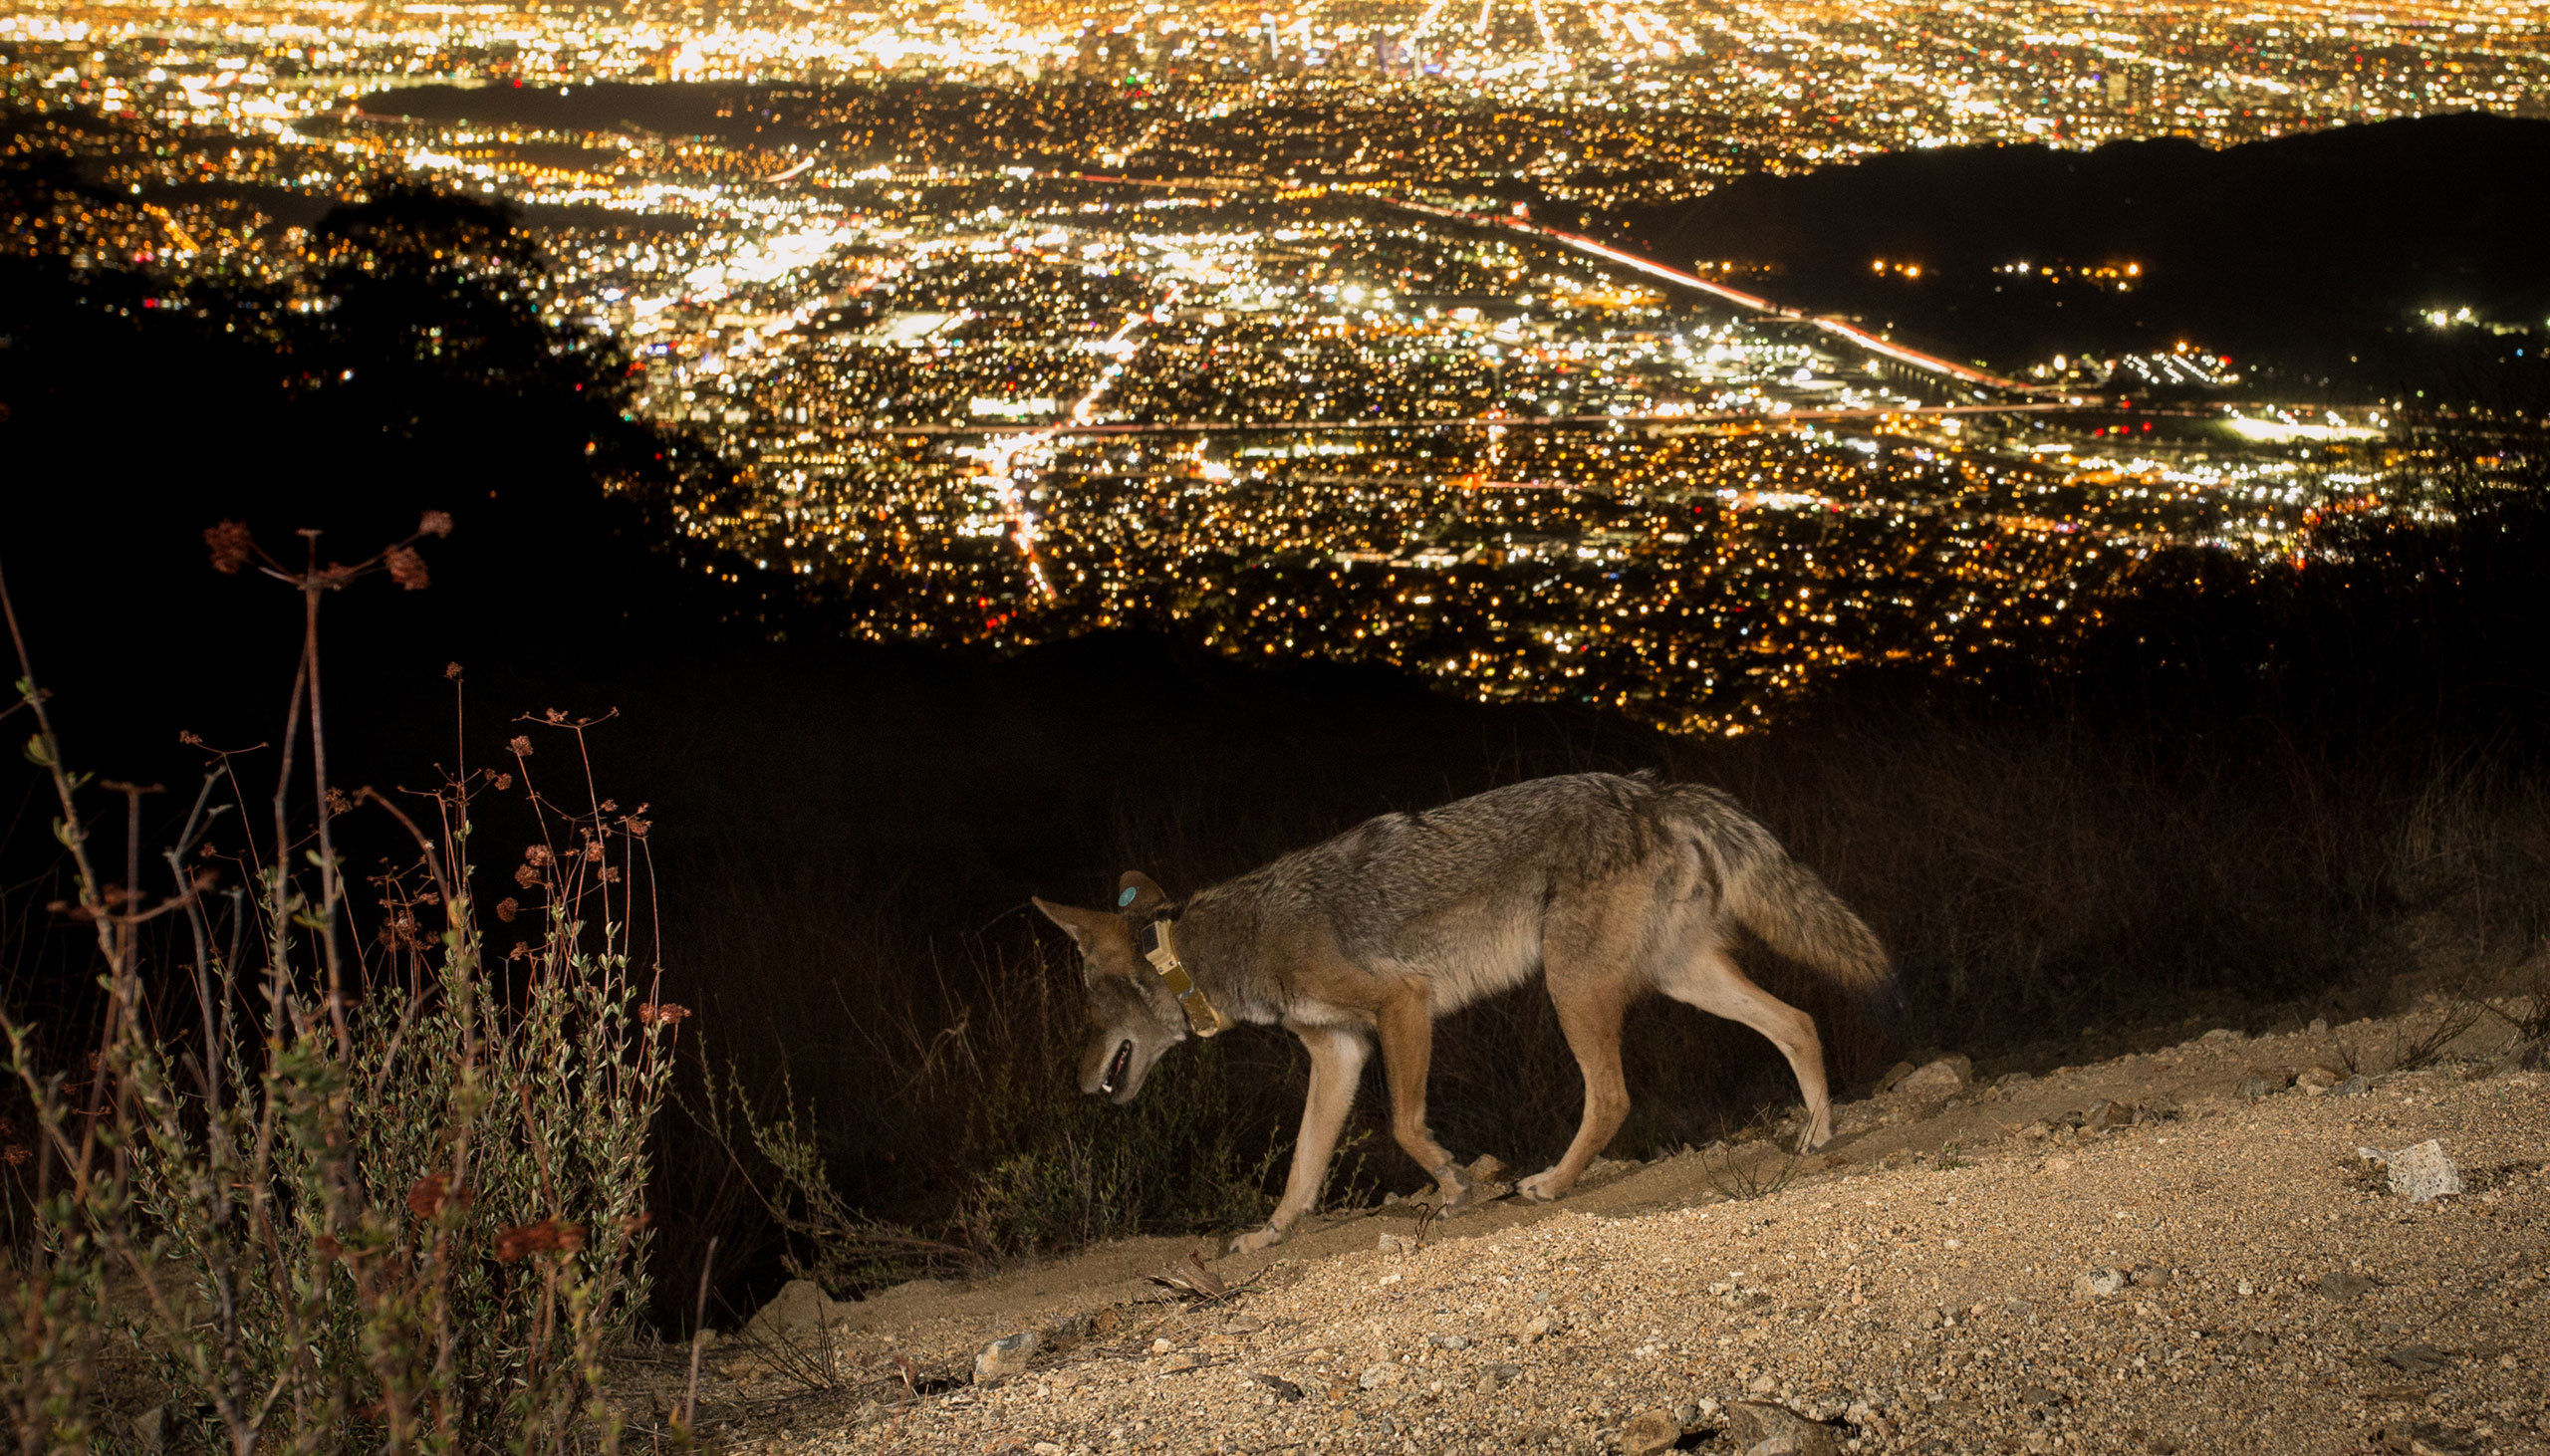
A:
1137,895
1080,924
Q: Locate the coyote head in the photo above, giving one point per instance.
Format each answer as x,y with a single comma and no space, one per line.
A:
1135,1017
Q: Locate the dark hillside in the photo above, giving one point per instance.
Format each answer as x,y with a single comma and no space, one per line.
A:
2305,258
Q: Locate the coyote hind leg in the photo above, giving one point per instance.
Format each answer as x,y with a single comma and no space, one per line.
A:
1712,983
1591,1017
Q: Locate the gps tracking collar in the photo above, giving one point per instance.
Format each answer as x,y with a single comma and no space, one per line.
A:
1201,1016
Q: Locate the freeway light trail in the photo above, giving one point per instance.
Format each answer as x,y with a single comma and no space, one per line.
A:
1753,303
1002,455
1861,337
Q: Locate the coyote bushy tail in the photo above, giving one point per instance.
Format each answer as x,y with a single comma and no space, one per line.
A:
1783,901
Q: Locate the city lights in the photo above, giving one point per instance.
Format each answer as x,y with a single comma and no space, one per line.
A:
1019,322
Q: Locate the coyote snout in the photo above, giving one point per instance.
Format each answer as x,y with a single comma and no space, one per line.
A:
1131,1032
1128,1040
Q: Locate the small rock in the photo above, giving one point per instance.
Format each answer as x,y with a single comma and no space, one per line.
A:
1763,1386
2354,1086
1162,1346
1759,1428
2420,1359
2424,1438
2098,1284
1398,1244
2319,1024
2419,1173
2341,1285
2251,1088
1380,1374
2019,1309
1539,1328
1650,1434
1894,1076
1284,1390
2038,1395
2315,1082
1496,1377
1928,1318
1005,1358
2220,1036
1448,1341
1938,1078
2106,1115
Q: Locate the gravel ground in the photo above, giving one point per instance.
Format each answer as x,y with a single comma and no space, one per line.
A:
1989,1271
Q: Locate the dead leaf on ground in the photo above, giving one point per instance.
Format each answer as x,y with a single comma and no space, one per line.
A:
1192,1280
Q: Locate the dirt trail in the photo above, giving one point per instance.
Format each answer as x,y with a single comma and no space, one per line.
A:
1966,1271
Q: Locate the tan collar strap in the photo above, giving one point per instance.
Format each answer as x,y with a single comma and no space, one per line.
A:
1201,1018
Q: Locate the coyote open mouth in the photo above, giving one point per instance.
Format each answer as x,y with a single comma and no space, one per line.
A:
1115,1066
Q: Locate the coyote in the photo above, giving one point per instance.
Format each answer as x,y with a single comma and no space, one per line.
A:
1606,886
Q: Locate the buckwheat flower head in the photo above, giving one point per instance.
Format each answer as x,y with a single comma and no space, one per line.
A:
231,544
407,567
548,1236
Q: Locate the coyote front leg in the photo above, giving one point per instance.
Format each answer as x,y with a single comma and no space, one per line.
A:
1407,1051
1337,1064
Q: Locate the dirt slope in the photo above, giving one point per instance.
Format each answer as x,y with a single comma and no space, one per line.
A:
1968,1273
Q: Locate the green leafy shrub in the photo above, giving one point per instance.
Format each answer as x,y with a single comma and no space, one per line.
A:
339,1178
1046,1168
1061,1169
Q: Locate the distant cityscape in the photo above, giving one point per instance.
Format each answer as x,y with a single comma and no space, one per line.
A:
1256,327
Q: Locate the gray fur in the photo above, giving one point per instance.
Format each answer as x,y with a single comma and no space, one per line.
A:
1603,887
1463,894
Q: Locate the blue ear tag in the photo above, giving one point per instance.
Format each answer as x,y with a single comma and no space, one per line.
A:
1126,901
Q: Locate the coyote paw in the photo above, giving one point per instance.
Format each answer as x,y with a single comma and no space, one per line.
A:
1460,1195
1256,1239
1543,1187
1817,1134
